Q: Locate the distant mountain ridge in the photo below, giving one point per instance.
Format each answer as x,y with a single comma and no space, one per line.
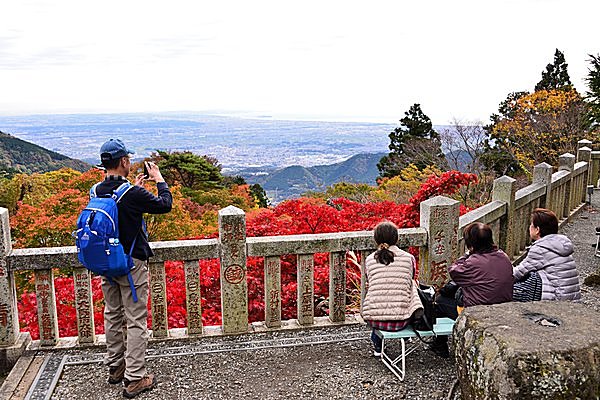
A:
295,180
19,156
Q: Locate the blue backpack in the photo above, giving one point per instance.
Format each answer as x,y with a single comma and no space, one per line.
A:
97,237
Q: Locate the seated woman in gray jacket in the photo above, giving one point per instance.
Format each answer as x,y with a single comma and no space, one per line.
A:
548,272
391,296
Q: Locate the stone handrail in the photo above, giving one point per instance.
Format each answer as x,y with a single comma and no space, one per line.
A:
268,246
438,237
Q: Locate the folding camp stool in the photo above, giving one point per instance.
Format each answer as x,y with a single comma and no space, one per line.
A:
443,326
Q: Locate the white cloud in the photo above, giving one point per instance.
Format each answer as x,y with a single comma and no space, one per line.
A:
340,59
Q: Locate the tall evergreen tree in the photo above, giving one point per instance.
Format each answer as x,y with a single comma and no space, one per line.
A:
414,141
593,93
556,75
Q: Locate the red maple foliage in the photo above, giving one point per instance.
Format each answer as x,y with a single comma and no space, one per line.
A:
299,216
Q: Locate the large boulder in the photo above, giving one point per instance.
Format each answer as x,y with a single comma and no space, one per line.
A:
538,350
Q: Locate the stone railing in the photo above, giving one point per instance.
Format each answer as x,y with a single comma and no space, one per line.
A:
438,238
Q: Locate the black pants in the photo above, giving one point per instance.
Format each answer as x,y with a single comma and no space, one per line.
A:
444,307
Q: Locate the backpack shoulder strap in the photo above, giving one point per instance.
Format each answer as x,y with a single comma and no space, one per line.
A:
93,191
119,192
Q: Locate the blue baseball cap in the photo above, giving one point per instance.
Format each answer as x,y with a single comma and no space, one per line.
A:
114,149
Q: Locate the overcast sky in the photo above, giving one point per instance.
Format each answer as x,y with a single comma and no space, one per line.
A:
337,60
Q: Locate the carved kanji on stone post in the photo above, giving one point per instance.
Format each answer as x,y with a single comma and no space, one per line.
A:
46,306
158,294
337,286
193,297
439,215
273,291
305,291
84,305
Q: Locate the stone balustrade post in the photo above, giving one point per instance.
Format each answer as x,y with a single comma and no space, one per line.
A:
234,287
584,143
504,190
193,297
337,286
542,173
84,305
158,296
595,172
585,154
273,292
305,291
566,162
439,215
9,321
45,294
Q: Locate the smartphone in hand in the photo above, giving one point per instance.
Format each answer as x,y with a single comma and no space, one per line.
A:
146,175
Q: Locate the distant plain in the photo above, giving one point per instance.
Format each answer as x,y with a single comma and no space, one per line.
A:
238,143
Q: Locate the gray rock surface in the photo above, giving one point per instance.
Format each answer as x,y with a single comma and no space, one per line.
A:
538,350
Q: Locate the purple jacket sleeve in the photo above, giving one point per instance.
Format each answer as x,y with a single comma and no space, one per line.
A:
460,272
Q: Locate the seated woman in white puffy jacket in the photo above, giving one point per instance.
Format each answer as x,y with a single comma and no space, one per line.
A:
548,272
391,296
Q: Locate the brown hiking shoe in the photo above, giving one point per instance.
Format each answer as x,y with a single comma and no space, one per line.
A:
136,387
116,374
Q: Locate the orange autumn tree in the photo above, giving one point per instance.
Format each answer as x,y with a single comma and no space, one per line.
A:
540,126
48,216
33,189
179,223
50,223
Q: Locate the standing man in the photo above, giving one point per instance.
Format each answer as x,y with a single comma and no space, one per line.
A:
125,356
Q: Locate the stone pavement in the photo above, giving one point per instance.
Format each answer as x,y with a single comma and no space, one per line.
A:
325,362
329,362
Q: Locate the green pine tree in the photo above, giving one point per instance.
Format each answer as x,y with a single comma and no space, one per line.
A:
190,170
414,141
556,75
593,93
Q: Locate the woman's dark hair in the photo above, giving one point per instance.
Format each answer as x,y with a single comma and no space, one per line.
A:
546,220
479,237
385,234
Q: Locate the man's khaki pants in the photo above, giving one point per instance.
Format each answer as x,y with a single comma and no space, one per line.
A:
129,347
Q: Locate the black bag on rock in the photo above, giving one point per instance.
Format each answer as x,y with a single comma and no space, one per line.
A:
427,318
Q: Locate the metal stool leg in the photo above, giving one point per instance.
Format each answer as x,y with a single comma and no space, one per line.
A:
392,365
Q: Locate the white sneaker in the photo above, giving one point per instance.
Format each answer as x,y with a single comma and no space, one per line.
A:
376,353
